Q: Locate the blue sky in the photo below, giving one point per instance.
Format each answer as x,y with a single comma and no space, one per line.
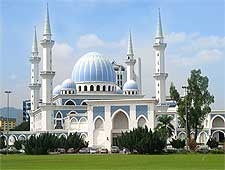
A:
194,31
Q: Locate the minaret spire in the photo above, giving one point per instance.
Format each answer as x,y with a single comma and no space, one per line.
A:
160,75
47,75
159,32
34,84
35,46
130,52
47,27
130,61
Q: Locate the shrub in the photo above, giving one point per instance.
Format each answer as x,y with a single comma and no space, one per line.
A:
18,144
46,142
2,142
212,143
143,141
215,151
178,143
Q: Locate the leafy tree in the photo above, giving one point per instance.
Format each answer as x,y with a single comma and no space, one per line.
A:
197,99
165,125
177,143
24,126
212,143
2,142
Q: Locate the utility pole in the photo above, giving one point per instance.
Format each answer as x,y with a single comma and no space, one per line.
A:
7,131
186,115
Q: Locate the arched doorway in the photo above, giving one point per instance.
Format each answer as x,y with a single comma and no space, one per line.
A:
141,122
99,134
203,138
120,123
219,136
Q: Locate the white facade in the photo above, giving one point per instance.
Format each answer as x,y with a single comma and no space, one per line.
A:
92,104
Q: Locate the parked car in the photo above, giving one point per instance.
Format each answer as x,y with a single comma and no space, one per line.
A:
61,150
202,149
84,150
103,150
94,150
115,149
70,150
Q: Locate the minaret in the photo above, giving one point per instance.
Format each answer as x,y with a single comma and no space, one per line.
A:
130,61
160,75
34,84
47,75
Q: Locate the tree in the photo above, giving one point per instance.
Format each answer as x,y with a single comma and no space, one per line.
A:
18,144
165,125
24,126
197,100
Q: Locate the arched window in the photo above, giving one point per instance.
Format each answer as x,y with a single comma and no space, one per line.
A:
70,102
103,88
58,121
91,88
83,103
132,92
109,88
65,92
79,88
112,88
58,115
98,88
85,88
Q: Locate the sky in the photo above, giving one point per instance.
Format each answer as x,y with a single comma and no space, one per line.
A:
194,31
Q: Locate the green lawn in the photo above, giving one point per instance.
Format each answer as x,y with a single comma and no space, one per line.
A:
113,162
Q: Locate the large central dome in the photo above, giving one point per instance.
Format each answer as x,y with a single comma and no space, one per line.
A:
93,67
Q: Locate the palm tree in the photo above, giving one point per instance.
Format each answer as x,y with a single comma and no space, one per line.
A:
165,125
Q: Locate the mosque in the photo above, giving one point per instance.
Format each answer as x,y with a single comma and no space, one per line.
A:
102,99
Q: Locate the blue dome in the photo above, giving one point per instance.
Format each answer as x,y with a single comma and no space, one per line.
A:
118,90
68,84
56,90
93,67
130,85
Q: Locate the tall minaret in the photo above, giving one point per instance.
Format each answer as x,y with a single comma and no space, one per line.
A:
160,75
34,84
130,61
47,74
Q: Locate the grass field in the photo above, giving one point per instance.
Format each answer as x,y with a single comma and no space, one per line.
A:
113,162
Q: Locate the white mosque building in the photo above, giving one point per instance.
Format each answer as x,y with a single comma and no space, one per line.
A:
102,99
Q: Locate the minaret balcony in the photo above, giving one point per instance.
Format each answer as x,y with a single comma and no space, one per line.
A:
34,86
47,74
160,76
130,61
47,43
35,59
159,45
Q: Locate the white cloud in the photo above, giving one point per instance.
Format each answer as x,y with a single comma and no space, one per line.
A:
88,41
192,49
63,61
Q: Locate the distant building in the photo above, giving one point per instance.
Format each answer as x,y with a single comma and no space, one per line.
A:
26,109
120,74
3,123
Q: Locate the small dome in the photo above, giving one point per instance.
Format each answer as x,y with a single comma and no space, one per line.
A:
130,85
68,84
56,90
118,90
93,67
